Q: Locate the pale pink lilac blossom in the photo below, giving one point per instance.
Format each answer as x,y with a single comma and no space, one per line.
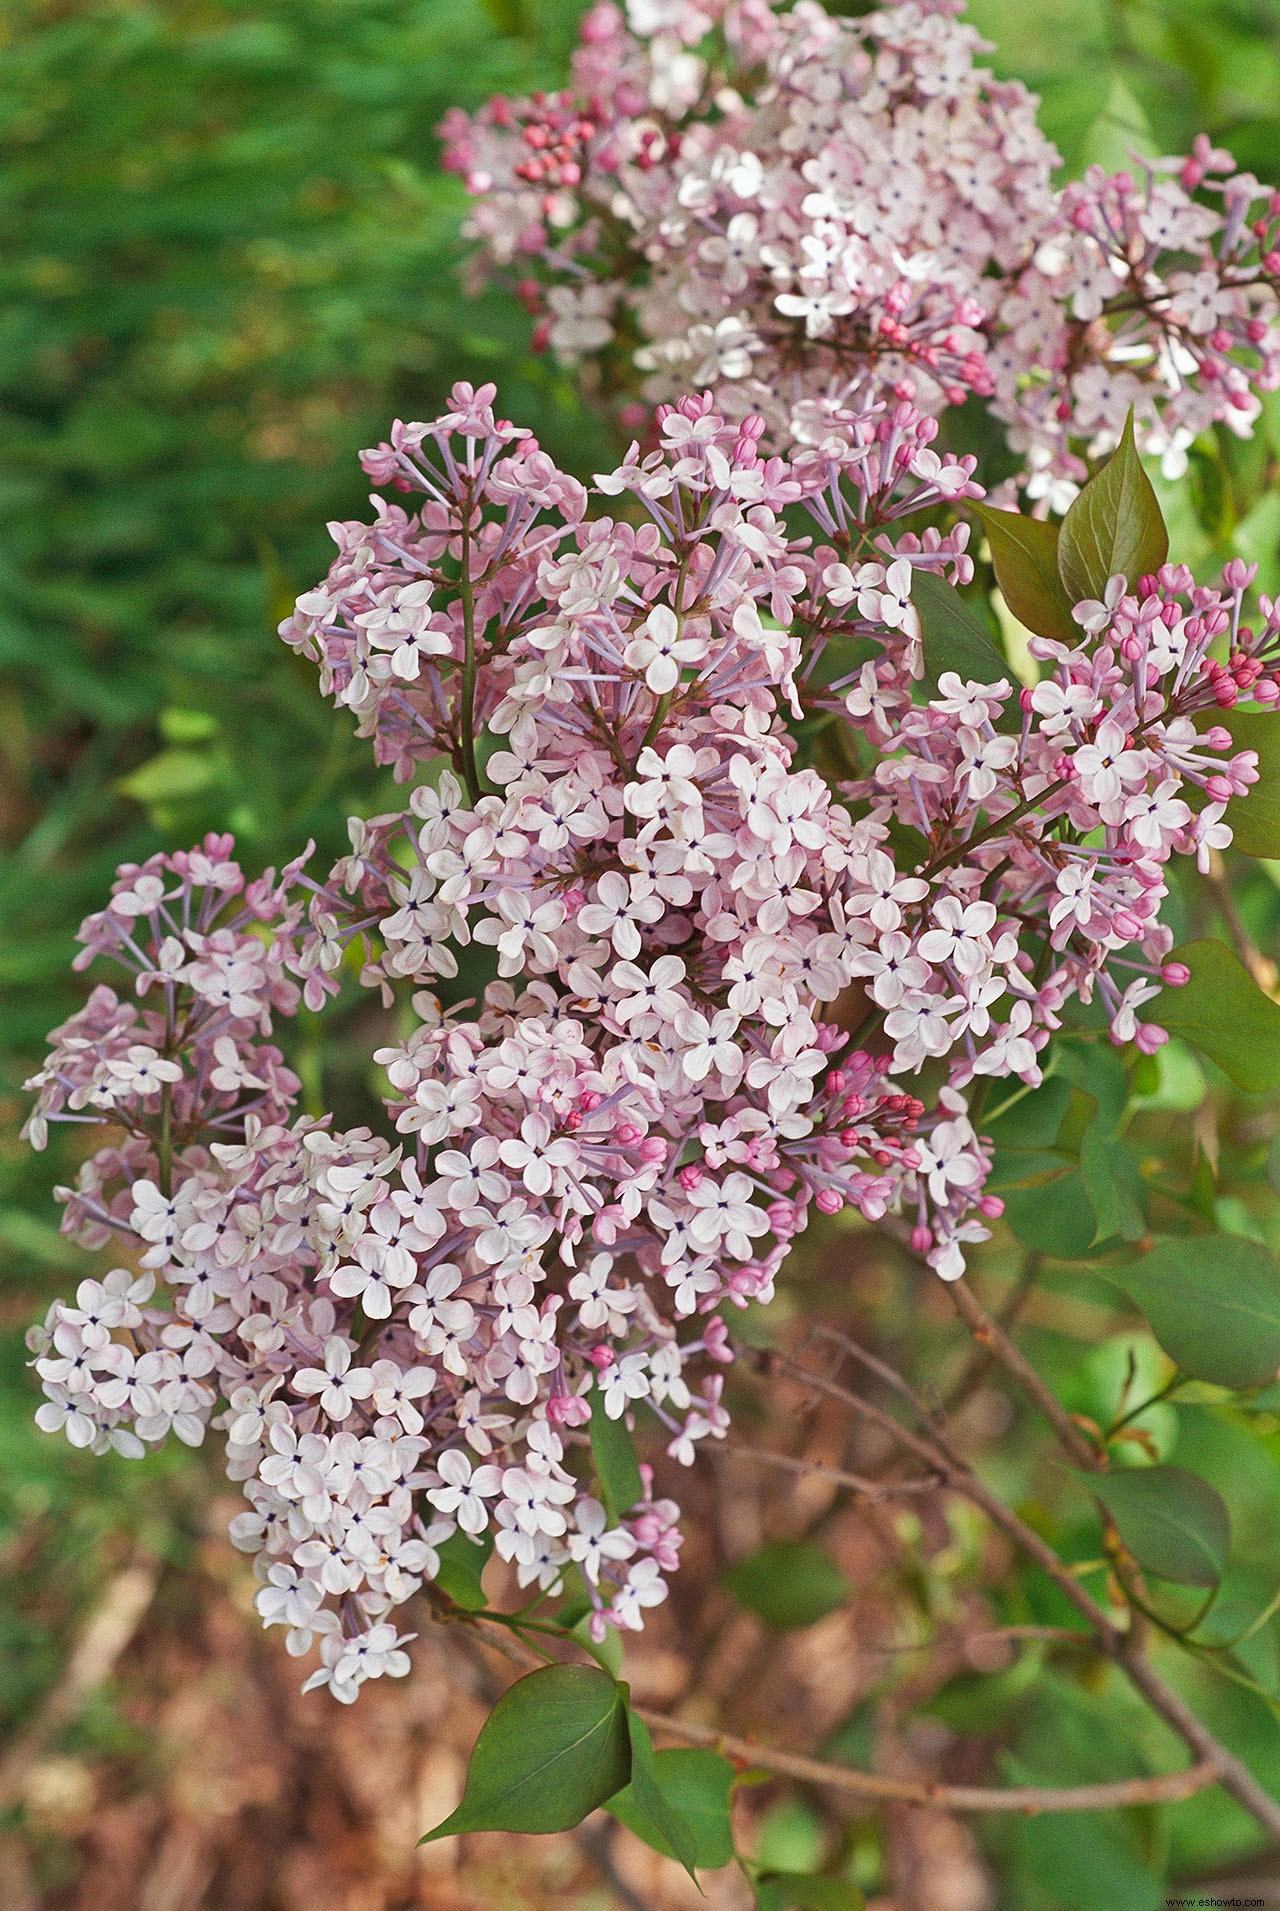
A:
718,985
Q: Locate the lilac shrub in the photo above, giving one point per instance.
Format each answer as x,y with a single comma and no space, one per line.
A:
804,213
730,988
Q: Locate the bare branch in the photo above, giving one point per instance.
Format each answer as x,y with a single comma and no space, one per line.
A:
1233,1774
925,1792
993,1340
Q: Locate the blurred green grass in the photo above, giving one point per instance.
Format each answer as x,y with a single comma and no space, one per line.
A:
227,260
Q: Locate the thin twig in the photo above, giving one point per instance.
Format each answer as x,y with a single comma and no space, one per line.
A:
1233,1774
1027,1799
982,1359
817,1470
992,1338
1260,967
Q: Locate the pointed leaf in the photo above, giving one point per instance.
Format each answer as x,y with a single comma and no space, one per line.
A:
671,1805
953,638
614,1455
554,1747
1024,552
1113,1183
1213,1301
1225,1014
1173,1522
804,1891
1255,816
788,1584
1113,526
462,1561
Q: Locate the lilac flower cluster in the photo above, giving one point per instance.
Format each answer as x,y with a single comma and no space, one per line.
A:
726,993
802,213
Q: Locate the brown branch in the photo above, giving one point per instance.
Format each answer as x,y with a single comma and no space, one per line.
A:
818,1470
1260,967
982,1359
993,1340
1233,1774
1027,1799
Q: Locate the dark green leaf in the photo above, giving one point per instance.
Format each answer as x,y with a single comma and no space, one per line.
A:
1255,816
1225,1014
1213,1301
1054,1217
615,1461
1114,526
1173,1522
697,1784
1024,552
803,1891
1113,1184
679,1808
953,638
788,1584
554,1747
462,1561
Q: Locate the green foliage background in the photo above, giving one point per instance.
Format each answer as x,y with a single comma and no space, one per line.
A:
227,260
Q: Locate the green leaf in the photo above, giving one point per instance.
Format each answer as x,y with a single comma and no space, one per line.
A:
1113,1183
1224,1014
173,776
1255,816
1213,1301
803,1891
1054,1218
614,1456
1120,130
1173,1522
554,1747
607,1651
462,1561
680,1809
951,635
788,1584
1113,526
1024,552
696,1784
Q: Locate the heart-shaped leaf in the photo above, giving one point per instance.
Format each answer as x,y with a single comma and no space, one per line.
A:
677,1801
805,1891
1113,527
1173,1522
554,1747
462,1561
788,1584
953,638
698,1784
1225,1014
1024,552
1213,1301
1113,1183
1255,816
614,1455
